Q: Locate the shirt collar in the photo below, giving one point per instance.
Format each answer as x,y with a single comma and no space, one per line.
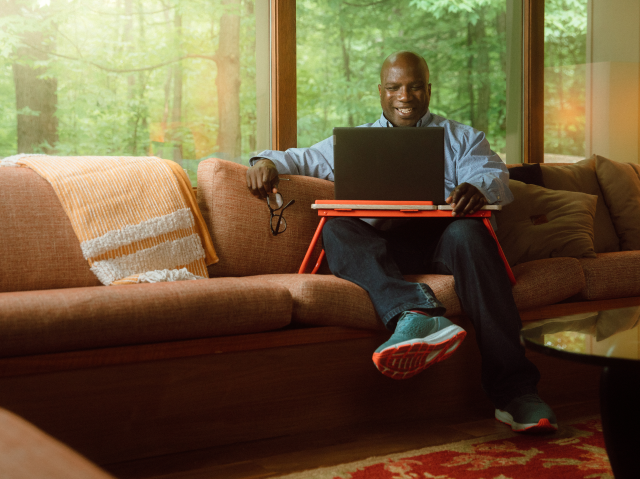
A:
424,121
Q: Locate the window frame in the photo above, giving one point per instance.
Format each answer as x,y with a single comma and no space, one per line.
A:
284,114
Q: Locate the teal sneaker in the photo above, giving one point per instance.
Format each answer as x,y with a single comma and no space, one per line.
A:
529,414
418,342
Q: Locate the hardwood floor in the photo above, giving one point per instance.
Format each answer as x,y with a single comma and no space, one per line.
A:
283,455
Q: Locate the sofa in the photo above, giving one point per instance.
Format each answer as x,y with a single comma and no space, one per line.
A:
122,373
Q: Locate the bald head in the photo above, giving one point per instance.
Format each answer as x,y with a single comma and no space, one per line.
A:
405,58
404,88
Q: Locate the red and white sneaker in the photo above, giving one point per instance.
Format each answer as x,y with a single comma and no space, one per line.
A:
418,342
529,414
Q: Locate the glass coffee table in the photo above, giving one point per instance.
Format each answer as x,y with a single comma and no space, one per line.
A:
609,338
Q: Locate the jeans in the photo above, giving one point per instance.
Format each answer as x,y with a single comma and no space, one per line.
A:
376,260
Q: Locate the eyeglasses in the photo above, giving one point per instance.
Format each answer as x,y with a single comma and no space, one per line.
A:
277,222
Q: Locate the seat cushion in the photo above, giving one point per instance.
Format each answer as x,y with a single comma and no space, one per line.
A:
325,300
611,275
538,283
581,177
239,222
546,281
38,248
84,318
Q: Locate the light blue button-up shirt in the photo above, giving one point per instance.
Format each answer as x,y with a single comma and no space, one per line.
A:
468,159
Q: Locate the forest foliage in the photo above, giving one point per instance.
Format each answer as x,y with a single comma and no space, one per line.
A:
177,78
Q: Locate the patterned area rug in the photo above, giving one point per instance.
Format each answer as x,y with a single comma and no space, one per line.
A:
575,451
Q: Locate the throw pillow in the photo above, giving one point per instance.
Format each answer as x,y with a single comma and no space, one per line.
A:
543,223
620,183
531,174
581,176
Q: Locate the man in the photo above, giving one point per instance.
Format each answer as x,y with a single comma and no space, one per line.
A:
377,258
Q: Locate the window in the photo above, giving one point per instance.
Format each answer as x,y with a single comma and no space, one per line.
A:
183,80
591,78
342,44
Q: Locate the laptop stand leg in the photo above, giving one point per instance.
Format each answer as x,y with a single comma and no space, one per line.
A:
314,240
512,278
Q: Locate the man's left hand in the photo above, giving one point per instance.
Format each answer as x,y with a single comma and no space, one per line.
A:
466,199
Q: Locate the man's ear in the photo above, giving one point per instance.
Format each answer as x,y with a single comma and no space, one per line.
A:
380,91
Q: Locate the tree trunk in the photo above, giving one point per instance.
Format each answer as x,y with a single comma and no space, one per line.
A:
480,119
501,28
228,80
347,72
36,98
470,75
176,114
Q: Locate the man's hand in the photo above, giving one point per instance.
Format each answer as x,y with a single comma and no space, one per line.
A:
466,199
262,178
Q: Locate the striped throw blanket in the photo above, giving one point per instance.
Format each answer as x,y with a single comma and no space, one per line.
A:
136,217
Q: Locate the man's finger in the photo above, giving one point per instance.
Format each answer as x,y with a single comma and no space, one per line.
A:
266,182
458,193
460,205
472,205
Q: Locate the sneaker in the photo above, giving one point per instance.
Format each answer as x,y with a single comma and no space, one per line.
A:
418,342
528,413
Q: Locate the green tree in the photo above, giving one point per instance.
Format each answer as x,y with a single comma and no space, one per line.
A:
174,78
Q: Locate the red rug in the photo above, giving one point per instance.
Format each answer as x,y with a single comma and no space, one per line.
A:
575,451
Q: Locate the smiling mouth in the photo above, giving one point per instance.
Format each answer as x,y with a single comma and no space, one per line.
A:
405,111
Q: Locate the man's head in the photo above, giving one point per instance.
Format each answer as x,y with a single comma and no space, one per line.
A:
404,88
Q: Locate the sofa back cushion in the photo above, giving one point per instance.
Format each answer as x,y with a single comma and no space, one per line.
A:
620,184
38,248
543,223
239,222
582,177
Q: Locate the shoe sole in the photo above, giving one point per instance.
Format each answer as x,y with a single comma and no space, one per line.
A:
408,358
542,426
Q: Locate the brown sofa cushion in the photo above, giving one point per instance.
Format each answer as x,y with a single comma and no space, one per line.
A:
581,176
620,183
28,453
239,222
543,223
538,283
38,248
611,275
546,281
324,300
85,318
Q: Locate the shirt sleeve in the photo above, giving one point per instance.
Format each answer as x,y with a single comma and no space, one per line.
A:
315,161
481,167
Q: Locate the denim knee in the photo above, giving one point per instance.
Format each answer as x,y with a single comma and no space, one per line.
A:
338,226
466,229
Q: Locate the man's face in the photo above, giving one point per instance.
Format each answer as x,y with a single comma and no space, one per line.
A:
405,91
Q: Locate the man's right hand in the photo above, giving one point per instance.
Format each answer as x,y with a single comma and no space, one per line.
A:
262,178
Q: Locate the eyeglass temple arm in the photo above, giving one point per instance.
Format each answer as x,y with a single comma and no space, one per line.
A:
314,240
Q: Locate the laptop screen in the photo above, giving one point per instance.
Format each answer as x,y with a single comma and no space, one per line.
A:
389,164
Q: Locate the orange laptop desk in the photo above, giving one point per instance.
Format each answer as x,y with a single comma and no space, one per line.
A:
390,209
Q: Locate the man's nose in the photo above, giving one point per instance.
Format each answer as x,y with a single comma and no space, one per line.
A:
404,94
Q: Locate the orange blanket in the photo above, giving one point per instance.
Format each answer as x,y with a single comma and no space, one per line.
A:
136,217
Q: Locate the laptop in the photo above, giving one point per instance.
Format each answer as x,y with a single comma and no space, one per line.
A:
389,164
